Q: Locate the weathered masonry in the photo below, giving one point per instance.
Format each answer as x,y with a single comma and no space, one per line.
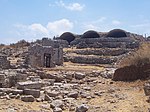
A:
45,56
4,63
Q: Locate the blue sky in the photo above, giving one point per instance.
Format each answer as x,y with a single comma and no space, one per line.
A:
34,19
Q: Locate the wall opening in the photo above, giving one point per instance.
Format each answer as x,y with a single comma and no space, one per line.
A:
1,85
47,60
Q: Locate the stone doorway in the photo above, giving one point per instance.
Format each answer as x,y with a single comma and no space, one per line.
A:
47,60
1,85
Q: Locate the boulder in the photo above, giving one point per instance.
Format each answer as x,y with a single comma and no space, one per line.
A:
79,75
82,108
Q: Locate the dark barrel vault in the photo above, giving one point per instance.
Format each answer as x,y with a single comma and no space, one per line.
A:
117,33
69,37
90,34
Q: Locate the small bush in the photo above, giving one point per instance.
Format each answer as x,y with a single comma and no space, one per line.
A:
138,58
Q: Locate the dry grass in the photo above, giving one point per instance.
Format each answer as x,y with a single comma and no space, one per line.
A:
138,58
68,66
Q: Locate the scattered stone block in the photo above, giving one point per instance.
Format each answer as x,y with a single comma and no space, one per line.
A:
27,98
79,75
52,93
34,78
33,92
57,103
2,78
57,109
47,98
21,77
29,85
73,94
10,90
147,89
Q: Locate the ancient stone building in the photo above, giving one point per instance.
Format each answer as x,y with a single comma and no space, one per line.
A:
68,37
57,46
4,63
54,43
90,34
116,38
45,56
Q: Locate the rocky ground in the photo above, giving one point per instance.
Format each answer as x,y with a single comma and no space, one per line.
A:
71,88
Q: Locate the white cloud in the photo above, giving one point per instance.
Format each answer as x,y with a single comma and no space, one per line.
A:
100,20
116,22
94,25
90,27
37,30
103,24
58,27
141,28
71,6
75,7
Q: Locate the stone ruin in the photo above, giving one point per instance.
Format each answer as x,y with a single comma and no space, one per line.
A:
112,39
4,63
105,47
30,83
45,56
116,38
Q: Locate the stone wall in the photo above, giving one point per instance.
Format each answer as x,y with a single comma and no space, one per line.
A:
102,52
36,55
58,56
91,59
47,42
37,52
124,42
54,43
4,63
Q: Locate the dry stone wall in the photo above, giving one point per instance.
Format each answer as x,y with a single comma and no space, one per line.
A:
91,59
124,42
4,63
102,52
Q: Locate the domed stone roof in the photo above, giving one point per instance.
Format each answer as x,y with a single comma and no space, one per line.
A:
69,37
117,33
90,34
